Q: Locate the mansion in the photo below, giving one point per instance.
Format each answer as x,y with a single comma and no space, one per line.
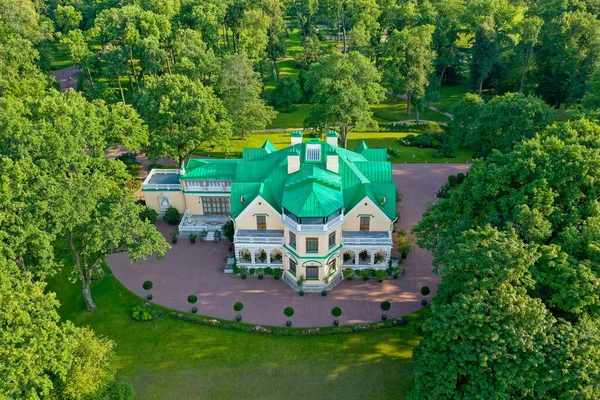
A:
312,208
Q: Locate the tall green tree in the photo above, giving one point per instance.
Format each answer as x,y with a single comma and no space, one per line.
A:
343,87
543,194
485,337
240,88
529,32
409,67
181,114
40,357
67,18
194,59
117,64
485,53
77,46
97,219
502,123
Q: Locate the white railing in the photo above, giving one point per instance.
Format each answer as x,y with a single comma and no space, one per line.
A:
193,228
209,189
161,186
261,240
313,227
367,240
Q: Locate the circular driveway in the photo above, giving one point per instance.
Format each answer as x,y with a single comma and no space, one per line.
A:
194,269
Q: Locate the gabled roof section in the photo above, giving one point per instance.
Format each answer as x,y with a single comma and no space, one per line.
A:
210,169
268,146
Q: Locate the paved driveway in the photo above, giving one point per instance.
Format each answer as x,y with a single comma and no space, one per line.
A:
192,269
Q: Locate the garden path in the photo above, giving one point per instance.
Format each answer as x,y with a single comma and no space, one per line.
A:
62,77
193,269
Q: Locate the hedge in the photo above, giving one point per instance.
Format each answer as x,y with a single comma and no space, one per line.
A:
276,331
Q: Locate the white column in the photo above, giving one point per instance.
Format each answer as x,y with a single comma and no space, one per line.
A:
268,256
356,253
253,256
372,258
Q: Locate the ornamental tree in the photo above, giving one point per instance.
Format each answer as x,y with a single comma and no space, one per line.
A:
343,86
98,218
410,56
181,115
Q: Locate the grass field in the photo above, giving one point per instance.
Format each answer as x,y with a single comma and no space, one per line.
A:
281,139
396,111
59,58
178,360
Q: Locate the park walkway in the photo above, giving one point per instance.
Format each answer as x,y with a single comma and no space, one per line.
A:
194,269
62,77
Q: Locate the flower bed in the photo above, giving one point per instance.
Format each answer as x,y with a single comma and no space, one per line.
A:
276,331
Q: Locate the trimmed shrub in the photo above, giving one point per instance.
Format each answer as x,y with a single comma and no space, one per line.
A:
147,285
425,290
268,271
381,275
277,273
193,238
443,192
452,181
174,237
336,311
460,178
145,312
385,305
118,389
348,273
252,271
365,273
238,306
172,216
192,299
288,311
228,230
148,214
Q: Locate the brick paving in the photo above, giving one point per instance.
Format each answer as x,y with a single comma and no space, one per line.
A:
193,269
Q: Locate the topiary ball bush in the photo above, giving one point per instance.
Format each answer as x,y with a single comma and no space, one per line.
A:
336,311
238,306
460,177
385,305
147,285
149,297
172,216
336,322
238,318
425,290
324,293
383,317
301,293
192,299
194,310
424,302
288,311
288,323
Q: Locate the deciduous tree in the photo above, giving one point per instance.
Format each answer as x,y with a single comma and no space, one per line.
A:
343,87
181,114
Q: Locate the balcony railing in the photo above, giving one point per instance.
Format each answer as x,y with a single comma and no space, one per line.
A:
162,179
245,236
208,189
366,238
259,240
313,227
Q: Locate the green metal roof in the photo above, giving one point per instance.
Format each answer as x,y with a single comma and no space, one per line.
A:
312,191
210,169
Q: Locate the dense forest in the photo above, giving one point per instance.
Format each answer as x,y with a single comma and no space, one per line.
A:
517,243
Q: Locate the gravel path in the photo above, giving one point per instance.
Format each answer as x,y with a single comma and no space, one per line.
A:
193,269
62,77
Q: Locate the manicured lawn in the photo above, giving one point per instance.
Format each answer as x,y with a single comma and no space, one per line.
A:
373,140
178,360
293,119
390,111
59,58
450,95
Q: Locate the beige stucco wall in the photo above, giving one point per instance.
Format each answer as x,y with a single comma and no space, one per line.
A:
247,219
175,197
323,242
379,221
